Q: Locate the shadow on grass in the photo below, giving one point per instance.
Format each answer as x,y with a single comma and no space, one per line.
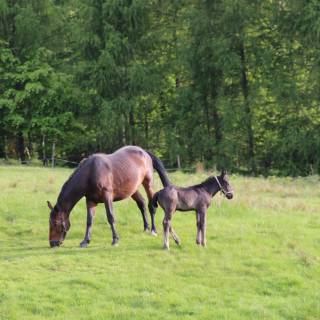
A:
19,252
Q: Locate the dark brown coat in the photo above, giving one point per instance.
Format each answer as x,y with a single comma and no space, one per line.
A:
105,178
197,198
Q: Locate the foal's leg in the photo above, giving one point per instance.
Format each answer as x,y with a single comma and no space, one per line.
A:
166,228
203,218
138,198
168,213
111,219
174,235
147,184
91,208
198,239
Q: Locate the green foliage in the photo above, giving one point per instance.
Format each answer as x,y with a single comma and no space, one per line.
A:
228,83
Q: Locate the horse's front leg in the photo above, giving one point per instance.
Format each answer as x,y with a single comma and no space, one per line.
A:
138,198
91,208
203,223
111,219
198,239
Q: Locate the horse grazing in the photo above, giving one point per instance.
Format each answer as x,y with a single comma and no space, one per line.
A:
104,178
197,197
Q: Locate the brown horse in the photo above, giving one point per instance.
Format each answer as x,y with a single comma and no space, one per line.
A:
197,198
103,178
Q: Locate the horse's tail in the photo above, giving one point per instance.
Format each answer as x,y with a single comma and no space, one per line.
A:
158,165
154,201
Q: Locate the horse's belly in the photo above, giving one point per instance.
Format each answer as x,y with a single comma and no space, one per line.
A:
126,187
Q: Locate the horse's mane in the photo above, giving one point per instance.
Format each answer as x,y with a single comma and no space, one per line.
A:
206,182
70,178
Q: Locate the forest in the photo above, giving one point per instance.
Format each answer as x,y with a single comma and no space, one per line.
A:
222,83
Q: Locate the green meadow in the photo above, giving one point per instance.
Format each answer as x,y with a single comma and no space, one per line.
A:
262,259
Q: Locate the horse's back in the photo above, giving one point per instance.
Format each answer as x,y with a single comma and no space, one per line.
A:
99,171
130,155
122,172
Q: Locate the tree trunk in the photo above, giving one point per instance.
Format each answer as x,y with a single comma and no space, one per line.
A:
30,148
146,129
44,156
247,109
53,154
216,123
207,116
132,127
20,147
123,130
2,146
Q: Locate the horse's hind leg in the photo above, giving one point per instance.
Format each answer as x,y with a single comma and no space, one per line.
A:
199,233
147,184
137,197
91,208
111,219
166,228
168,213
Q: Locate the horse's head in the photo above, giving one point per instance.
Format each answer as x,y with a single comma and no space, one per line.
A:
59,224
224,184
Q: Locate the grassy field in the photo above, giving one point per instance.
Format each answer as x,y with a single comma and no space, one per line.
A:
262,260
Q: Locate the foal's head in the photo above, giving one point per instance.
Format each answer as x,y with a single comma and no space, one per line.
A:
59,224
223,182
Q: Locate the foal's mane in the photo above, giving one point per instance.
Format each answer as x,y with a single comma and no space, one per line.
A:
70,178
206,182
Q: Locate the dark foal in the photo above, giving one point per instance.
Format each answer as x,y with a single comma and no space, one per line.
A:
197,197
105,178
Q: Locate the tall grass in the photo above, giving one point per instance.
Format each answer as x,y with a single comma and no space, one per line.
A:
262,259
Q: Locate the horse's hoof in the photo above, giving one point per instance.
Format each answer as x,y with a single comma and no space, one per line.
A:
154,233
177,242
146,230
115,242
166,247
84,244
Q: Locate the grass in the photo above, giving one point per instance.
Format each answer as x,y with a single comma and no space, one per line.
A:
262,259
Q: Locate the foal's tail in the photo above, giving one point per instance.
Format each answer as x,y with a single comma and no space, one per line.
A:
158,166
154,201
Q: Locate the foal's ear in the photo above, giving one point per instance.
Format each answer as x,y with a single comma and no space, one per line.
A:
223,172
50,205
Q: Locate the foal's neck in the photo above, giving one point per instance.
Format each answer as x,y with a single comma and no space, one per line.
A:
211,186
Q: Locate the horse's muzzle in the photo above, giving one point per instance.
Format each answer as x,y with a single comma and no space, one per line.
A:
229,195
55,243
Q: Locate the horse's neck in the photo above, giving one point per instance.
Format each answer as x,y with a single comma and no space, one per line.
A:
68,199
211,187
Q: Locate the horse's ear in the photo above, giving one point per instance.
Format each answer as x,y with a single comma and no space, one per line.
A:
50,205
223,172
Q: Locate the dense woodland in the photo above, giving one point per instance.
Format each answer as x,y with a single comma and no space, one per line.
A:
224,83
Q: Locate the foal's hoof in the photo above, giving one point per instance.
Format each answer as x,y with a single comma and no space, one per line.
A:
115,242
165,247
84,244
154,233
177,241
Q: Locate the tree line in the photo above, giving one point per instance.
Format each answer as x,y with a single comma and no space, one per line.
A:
225,83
